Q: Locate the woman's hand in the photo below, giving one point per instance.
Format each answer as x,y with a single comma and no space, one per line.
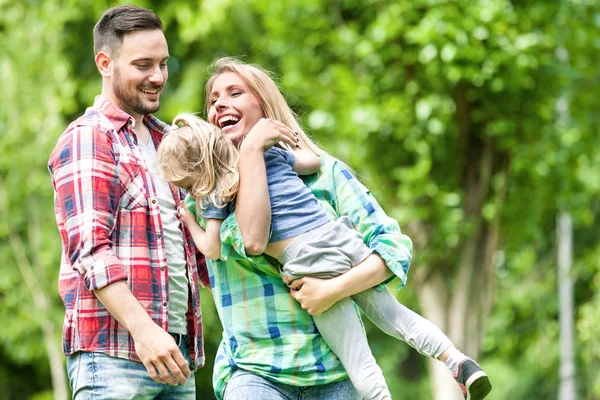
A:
267,132
315,295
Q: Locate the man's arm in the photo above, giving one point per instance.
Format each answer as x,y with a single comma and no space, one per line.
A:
155,347
84,175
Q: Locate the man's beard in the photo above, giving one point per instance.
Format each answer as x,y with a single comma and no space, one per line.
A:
130,98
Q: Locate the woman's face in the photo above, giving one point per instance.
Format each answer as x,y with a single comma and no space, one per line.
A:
233,106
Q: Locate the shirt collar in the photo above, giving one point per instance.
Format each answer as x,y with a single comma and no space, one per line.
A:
119,117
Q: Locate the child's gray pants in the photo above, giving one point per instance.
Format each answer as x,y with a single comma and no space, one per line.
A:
331,250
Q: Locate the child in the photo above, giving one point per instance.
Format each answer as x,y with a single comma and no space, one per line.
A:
198,157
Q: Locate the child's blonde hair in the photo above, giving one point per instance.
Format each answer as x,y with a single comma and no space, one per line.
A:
198,151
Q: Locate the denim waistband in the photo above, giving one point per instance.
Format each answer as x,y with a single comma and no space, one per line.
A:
178,337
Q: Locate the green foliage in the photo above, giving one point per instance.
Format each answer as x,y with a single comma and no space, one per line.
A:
37,93
391,87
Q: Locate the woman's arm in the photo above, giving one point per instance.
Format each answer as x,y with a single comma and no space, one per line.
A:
253,207
318,295
341,192
381,233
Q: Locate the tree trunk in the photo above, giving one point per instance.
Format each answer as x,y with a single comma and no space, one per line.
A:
469,305
56,360
567,352
459,301
432,296
40,301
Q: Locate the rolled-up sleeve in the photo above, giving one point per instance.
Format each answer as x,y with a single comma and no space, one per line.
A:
381,233
87,187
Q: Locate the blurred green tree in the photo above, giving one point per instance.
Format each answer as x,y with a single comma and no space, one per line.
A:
449,111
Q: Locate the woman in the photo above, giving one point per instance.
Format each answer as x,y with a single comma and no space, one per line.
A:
273,343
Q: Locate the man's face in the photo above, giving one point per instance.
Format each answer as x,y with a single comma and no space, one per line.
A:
140,72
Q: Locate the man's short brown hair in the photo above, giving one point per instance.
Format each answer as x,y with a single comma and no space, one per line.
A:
118,21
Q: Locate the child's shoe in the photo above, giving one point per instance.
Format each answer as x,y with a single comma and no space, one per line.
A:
473,382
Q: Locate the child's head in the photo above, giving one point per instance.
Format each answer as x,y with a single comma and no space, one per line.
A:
197,157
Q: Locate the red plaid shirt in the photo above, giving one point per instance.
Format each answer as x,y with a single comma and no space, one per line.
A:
109,221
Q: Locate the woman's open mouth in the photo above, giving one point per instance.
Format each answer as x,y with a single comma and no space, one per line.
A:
227,122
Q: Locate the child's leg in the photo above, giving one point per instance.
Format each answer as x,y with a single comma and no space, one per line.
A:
342,330
324,252
400,322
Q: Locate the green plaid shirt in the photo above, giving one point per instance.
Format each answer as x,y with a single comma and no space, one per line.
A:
266,332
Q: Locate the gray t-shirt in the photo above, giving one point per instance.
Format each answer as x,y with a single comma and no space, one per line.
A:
294,209
178,283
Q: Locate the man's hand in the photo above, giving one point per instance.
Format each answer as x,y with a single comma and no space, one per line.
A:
161,356
155,347
315,295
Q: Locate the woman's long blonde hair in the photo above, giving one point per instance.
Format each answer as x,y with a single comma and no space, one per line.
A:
265,89
197,151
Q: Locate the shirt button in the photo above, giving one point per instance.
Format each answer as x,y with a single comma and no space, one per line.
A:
159,235
165,304
162,268
153,201
130,122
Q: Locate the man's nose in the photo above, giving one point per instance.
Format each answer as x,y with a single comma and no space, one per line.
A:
159,75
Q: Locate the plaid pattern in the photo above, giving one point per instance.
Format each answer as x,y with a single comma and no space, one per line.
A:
109,221
265,330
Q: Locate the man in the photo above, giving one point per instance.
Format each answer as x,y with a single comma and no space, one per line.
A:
128,278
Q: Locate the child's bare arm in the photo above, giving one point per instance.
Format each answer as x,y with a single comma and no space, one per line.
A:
212,238
208,240
306,162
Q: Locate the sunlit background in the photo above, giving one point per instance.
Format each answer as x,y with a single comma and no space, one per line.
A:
473,122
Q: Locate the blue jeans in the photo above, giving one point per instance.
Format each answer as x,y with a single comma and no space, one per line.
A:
244,385
99,376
